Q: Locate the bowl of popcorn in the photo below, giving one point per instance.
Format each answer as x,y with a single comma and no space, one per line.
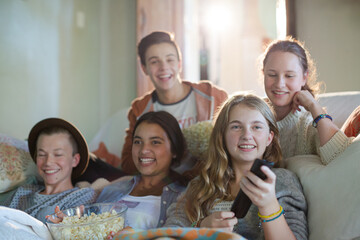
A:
95,221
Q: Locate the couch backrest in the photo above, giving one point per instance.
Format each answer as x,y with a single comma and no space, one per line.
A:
340,105
112,133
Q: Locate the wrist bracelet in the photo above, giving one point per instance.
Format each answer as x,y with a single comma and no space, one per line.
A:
271,215
272,219
196,224
318,118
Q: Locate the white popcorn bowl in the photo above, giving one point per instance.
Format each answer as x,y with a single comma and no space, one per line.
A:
96,229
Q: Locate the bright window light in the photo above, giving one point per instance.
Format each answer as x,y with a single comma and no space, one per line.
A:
281,19
218,18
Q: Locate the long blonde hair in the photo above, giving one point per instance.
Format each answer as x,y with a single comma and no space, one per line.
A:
213,182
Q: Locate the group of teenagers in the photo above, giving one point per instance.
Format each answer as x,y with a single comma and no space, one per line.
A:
246,127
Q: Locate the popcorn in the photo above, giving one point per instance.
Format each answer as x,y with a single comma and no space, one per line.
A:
94,227
197,138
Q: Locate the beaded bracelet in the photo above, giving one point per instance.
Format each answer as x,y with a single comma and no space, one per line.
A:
271,215
318,118
196,223
272,219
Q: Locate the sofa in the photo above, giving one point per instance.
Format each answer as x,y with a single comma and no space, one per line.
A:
332,191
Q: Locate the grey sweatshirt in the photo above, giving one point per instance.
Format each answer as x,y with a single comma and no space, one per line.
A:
289,194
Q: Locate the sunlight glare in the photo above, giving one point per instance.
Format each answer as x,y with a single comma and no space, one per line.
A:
281,19
218,18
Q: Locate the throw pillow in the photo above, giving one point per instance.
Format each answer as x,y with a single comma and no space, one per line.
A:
332,193
197,138
168,233
15,163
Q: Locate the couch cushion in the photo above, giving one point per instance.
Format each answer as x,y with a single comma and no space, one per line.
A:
332,193
112,133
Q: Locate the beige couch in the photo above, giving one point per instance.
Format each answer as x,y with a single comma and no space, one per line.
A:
340,104
333,191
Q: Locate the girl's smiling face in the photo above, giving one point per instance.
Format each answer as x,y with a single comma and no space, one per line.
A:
151,150
283,77
247,134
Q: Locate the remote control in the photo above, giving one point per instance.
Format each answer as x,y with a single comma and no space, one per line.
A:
242,202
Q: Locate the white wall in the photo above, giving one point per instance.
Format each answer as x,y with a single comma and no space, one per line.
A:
74,59
29,64
331,32
53,65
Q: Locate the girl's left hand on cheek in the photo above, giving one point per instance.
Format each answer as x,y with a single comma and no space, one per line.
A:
261,192
305,99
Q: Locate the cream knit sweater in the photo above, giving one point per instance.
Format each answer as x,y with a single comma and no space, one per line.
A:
299,137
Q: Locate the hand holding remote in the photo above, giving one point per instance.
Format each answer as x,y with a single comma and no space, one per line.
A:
242,202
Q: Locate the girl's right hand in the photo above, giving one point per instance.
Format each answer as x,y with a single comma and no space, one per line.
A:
221,220
57,217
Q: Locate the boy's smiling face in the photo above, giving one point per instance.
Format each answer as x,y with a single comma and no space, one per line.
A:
55,159
163,66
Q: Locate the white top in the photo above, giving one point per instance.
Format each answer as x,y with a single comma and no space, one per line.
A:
184,111
143,212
